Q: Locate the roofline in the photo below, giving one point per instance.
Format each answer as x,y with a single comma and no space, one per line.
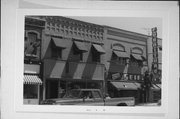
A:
134,33
103,26
82,21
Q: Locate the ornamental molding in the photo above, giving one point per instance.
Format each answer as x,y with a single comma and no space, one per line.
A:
127,34
32,31
118,46
70,27
137,50
34,21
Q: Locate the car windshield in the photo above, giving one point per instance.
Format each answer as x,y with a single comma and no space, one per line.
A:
72,94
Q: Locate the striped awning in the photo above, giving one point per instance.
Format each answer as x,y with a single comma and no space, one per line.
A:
137,57
156,86
125,85
99,48
32,79
121,54
58,42
80,46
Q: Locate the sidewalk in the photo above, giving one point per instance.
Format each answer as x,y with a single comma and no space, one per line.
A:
148,104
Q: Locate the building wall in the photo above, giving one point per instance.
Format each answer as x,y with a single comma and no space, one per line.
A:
77,69
34,28
69,67
57,69
128,41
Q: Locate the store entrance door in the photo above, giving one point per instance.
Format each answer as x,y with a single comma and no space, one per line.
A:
52,89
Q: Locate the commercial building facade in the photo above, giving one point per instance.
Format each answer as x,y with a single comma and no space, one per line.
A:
126,58
32,60
77,54
72,56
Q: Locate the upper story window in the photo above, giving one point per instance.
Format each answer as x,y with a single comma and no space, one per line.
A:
32,46
96,57
133,61
119,54
57,46
77,53
78,49
56,52
97,51
137,57
120,57
136,60
30,43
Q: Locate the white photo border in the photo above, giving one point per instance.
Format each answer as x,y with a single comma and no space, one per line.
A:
19,48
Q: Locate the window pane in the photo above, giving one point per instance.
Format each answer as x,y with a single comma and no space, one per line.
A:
78,54
30,91
56,52
95,56
32,45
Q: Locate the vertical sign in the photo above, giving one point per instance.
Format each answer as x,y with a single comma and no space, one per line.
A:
155,52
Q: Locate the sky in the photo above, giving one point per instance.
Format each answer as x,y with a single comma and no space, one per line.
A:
139,25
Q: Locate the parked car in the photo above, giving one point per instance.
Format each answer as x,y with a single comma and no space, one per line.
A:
91,97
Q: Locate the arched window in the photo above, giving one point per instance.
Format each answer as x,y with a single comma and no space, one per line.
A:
119,54
137,50
136,56
118,46
32,31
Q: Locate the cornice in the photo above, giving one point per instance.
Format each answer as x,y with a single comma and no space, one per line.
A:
124,33
33,21
71,27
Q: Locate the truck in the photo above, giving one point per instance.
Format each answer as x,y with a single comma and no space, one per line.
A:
89,97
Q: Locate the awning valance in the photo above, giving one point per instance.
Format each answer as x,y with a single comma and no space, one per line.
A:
99,48
124,86
32,79
81,46
137,57
58,42
121,54
155,87
158,85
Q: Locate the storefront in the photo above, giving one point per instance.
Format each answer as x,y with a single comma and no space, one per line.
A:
31,89
32,83
124,89
155,93
58,88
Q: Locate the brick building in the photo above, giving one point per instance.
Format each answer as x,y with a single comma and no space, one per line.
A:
77,54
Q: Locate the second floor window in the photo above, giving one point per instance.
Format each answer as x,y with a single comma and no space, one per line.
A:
119,60
32,45
77,53
97,51
96,56
122,60
56,52
57,46
78,49
133,62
